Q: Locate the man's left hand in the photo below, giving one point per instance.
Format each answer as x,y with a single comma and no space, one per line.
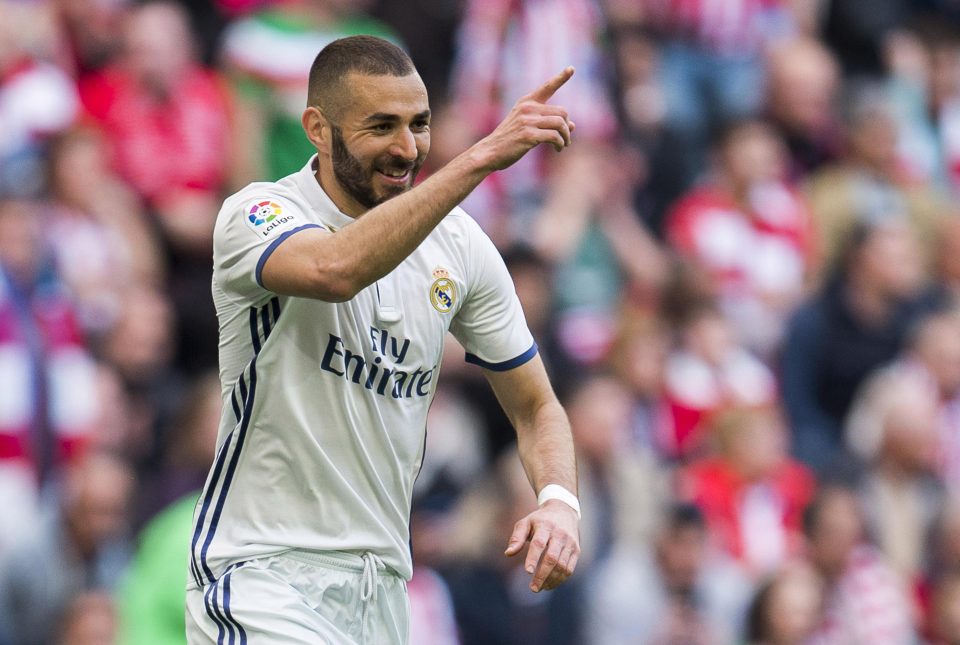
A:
554,535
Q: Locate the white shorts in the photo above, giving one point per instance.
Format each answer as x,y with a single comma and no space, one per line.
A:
330,598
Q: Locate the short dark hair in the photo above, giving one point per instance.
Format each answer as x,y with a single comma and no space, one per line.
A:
363,54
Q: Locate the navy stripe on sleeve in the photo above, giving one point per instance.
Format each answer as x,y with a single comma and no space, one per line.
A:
273,247
517,361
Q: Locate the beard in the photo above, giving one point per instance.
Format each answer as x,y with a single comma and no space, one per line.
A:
357,180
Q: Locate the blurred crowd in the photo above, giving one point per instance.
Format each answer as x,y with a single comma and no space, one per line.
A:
744,278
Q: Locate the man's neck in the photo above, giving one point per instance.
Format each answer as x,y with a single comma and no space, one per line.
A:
344,203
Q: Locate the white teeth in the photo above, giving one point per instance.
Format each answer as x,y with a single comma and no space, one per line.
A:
395,174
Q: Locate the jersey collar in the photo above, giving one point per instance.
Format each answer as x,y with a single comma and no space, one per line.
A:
317,198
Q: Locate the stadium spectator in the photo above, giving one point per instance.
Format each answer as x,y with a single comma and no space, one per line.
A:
932,356
924,79
948,261
187,446
164,117
801,95
856,323
152,594
504,47
706,372
139,346
492,601
637,359
751,493
945,622
870,183
749,230
89,33
786,608
711,57
47,373
865,600
667,163
675,590
100,237
893,428
79,547
37,99
90,619
611,467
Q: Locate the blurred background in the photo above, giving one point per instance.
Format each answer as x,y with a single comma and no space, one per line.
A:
744,278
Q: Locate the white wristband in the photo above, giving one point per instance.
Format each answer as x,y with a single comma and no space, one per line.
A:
556,491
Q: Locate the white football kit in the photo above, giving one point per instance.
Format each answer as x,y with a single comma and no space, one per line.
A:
325,404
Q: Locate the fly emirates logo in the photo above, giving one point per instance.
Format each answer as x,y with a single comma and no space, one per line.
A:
374,373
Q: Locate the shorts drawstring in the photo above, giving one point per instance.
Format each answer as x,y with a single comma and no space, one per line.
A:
368,586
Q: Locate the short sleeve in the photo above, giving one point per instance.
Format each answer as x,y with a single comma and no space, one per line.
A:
247,233
490,325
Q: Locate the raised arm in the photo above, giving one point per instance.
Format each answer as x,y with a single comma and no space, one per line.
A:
546,450
335,267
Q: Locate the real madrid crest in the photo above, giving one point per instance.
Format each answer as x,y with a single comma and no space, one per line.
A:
443,291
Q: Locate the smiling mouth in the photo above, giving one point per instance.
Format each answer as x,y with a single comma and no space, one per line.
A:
398,177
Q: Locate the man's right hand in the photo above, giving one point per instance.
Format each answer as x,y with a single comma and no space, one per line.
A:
531,122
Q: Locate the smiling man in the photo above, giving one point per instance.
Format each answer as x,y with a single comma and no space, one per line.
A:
334,288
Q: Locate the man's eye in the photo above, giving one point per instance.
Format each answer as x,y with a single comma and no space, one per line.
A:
420,125
382,127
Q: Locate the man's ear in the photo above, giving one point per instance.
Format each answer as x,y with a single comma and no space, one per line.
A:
317,128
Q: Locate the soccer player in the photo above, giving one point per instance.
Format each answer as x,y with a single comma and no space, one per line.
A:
334,288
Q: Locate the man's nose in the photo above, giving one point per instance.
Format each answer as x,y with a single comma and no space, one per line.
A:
404,145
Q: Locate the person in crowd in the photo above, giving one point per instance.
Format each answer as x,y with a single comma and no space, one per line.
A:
673,590
749,230
751,493
37,100
923,60
857,322
945,619
947,267
802,85
611,467
893,428
502,47
786,608
80,546
432,619
90,619
98,232
707,371
151,594
492,600
48,376
638,360
931,359
166,119
870,184
139,346
186,449
865,601
712,64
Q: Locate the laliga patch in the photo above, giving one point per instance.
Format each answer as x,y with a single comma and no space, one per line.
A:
266,216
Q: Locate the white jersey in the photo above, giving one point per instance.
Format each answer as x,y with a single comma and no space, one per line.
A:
325,404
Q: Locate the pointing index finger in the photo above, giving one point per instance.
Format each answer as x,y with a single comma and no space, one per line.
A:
545,91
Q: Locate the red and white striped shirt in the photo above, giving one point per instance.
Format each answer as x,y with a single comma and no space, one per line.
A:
868,605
